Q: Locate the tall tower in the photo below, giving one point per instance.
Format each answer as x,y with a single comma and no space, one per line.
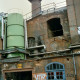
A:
15,34
36,7
74,19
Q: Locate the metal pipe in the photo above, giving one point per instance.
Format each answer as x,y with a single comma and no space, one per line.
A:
75,67
26,40
4,39
2,35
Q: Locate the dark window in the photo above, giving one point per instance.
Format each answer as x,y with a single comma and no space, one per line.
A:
31,41
55,71
24,75
54,27
50,75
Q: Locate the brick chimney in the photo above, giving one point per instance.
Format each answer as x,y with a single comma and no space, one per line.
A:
36,7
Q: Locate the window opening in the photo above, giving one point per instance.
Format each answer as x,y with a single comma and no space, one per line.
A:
31,41
55,71
54,27
25,75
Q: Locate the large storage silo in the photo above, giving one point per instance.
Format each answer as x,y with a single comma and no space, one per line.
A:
15,32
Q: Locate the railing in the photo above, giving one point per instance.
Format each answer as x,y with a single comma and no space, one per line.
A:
45,9
15,10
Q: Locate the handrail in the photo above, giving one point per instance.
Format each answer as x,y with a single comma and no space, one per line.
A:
44,8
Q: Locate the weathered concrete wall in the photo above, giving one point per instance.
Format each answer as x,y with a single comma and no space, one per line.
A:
78,66
38,27
73,16
77,11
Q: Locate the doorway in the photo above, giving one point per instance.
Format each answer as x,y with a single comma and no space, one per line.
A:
24,75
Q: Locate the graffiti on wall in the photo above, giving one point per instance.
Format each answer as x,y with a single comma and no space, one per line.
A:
40,76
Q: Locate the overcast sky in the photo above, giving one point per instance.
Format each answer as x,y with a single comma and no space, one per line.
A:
23,5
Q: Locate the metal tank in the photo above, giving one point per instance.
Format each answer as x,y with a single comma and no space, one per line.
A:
15,32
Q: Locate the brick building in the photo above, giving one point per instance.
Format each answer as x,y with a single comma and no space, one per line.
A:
52,45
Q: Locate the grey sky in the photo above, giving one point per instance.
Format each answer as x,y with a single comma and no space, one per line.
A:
24,5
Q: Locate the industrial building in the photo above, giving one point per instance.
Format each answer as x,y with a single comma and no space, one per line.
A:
44,45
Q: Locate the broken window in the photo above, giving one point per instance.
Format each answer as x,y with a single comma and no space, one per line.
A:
35,45
33,41
54,27
55,71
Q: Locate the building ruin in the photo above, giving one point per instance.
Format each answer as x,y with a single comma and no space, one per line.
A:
45,46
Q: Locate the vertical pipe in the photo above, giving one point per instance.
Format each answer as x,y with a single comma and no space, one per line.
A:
75,67
2,32
4,39
26,40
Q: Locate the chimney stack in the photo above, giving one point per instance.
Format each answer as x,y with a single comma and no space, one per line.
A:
36,7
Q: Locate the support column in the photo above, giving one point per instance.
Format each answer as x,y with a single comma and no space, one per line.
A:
73,16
